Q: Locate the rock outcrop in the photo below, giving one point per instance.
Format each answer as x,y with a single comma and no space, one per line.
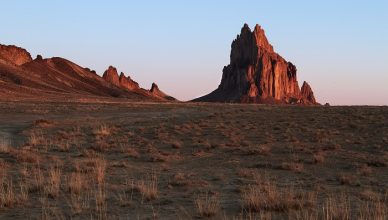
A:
111,76
155,91
57,79
257,74
307,93
128,83
14,55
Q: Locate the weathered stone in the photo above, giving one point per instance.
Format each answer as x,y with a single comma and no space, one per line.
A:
257,74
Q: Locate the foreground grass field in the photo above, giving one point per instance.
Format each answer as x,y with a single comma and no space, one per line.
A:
189,161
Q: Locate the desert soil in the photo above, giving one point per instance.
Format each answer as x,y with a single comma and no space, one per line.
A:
189,161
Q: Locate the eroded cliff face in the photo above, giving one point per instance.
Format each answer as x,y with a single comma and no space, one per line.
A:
14,55
257,74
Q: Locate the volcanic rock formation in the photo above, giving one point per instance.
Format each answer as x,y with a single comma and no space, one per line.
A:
14,55
58,79
128,83
257,74
158,93
111,76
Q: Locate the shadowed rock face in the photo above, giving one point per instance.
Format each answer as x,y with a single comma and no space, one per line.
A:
15,55
257,74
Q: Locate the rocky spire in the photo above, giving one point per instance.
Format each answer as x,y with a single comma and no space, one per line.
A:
256,73
307,94
111,75
127,82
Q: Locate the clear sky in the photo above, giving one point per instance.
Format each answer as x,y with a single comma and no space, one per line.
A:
339,46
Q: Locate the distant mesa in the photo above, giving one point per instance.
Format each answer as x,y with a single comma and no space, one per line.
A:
256,74
58,79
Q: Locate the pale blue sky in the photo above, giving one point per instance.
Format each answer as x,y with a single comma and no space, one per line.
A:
339,47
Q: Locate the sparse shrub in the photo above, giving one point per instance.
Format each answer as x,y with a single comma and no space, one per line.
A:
43,123
259,150
296,167
365,170
346,179
176,144
318,157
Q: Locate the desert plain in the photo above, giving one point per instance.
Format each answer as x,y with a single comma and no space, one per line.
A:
144,160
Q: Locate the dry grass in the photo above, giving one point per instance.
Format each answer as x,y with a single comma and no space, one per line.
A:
207,205
336,207
268,197
76,183
25,156
99,166
63,174
102,130
52,187
8,198
147,187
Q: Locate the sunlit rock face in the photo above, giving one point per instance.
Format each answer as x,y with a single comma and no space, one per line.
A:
257,74
14,55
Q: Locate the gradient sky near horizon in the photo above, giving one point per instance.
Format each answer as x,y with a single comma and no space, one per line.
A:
339,47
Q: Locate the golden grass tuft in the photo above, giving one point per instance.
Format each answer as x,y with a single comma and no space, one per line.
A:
207,205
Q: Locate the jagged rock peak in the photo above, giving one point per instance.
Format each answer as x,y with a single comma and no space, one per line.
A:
261,39
154,87
257,74
155,91
307,94
15,55
127,83
111,76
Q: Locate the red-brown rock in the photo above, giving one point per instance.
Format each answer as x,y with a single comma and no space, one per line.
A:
307,93
257,74
156,92
14,55
111,76
128,83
